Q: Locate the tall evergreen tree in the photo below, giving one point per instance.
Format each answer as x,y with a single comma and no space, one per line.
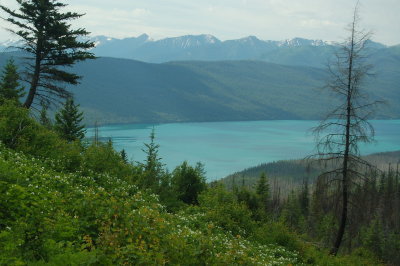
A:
152,168
68,121
304,198
263,186
263,191
51,45
10,87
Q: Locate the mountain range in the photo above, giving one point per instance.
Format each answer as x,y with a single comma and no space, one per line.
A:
209,48
297,51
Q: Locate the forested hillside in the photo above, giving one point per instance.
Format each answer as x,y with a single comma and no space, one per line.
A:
217,91
220,91
300,193
293,173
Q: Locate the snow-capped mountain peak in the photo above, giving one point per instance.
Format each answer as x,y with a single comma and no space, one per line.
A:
295,42
190,41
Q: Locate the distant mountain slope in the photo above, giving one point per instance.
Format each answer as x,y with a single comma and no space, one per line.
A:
197,91
292,173
218,91
121,90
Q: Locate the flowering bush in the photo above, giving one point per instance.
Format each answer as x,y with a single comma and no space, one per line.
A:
50,216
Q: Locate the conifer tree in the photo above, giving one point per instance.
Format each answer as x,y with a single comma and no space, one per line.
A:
43,118
304,198
263,190
68,122
10,87
188,182
152,168
50,44
124,156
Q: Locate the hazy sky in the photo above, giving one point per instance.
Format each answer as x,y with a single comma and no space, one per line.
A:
231,19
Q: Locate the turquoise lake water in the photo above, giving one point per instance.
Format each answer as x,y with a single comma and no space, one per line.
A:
227,147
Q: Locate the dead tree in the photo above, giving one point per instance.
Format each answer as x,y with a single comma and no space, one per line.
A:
340,134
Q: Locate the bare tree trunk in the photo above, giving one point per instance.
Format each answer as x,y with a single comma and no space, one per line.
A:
35,76
345,196
341,132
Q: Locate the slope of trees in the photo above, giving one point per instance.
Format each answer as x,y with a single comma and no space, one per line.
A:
215,91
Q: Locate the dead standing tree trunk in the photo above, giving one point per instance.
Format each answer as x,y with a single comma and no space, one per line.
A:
346,127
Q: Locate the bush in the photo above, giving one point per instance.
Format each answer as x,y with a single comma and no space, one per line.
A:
54,217
103,158
222,208
22,133
188,182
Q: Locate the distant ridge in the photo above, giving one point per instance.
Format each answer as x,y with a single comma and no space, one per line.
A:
205,47
199,47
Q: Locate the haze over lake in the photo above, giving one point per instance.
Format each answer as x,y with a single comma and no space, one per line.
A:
227,147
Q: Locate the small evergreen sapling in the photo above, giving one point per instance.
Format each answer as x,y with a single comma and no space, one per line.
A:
124,156
44,118
68,122
152,167
10,89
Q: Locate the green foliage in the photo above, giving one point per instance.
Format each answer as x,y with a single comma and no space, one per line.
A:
43,117
19,131
16,128
54,216
263,191
252,202
68,122
381,242
263,187
278,233
188,182
124,156
103,158
67,201
10,87
48,204
222,208
292,214
304,198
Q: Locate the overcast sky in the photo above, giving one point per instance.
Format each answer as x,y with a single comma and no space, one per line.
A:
232,19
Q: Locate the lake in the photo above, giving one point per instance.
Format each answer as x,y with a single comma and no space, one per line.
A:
227,147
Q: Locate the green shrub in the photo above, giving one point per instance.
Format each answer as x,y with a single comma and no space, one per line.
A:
71,218
188,182
222,208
